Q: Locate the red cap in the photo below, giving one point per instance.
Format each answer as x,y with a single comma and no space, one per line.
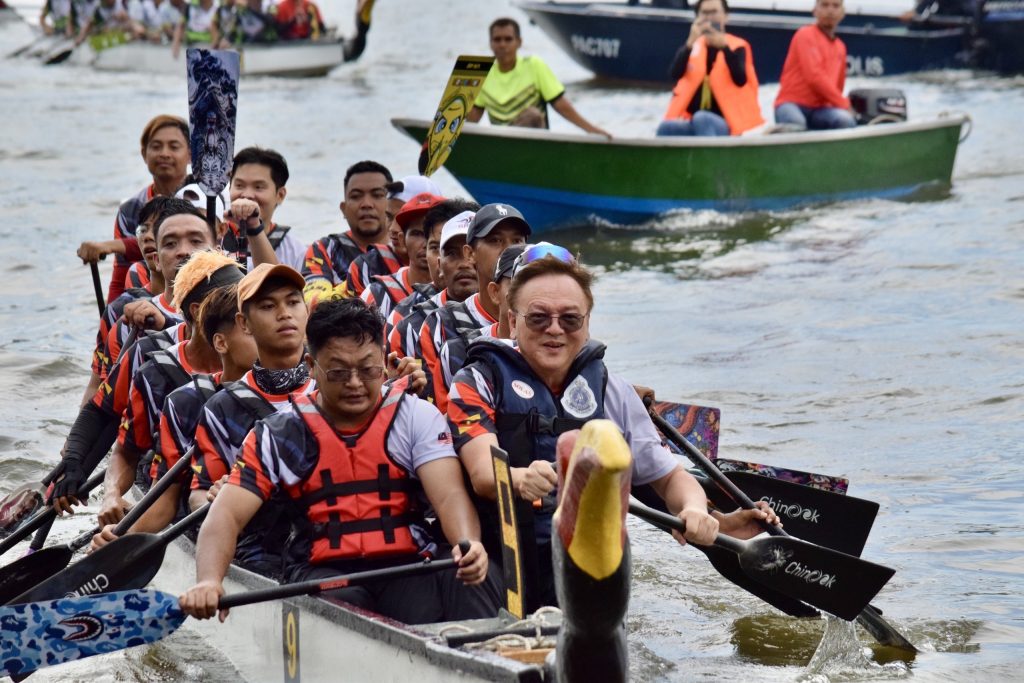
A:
416,207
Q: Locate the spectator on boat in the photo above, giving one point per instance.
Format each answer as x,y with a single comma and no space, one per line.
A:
257,189
95,428
109,17
365,209
61,15
195,26
251,24
387,291
494,228
298,20
522,397
518,89
222,25
354,431
447,224
716,88
147,17
814,74
937,10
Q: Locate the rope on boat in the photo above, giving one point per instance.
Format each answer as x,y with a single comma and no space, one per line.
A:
538,620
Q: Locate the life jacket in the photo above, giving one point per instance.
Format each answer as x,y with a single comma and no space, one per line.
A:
394,290
454,319
739,105
248,400
206,385
529,420
359,502
170,368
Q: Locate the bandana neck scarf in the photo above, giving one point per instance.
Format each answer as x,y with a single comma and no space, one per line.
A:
280,381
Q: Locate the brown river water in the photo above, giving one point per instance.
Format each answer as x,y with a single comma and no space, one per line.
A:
879,340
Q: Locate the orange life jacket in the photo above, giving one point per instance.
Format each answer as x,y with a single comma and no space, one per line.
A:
739,105
359,502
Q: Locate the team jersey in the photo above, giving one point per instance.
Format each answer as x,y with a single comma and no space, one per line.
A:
112,395
455,319
161,374
179,419
505,94
198,21
223,425
453,354
106,18
121,330
403,326
146,13
125,223
326,264
101,359
471,413
286,13
60,13
138,277
274,456
385,291
379,259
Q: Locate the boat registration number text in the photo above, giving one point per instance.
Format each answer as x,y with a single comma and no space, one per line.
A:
290,642
595,47
863,65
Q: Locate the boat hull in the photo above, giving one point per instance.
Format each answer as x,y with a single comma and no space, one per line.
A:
638,43
311,639
561,180
292,58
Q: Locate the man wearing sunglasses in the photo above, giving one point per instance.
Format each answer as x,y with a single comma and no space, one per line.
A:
358,459
522,398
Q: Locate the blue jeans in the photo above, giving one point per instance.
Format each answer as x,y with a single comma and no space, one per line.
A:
816,119
704,123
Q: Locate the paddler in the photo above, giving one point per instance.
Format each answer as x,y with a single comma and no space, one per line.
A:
195,25
521,398
61,15
518,89
164,148
336,454
365,209
180,230
494,228
716,88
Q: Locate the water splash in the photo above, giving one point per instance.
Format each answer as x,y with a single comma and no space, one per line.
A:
841,657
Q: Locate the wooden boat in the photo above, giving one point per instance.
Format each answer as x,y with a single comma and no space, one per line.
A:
558,180
633,42
296,58
313,639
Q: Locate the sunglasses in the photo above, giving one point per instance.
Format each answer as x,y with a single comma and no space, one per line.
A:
540,251
538,322
345,374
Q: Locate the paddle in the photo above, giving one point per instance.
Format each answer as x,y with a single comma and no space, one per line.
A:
29,571
59,52
101,301
512,568
829,519
352,49
43,516
42,634
212,108
129,562
829,580
870,619
464,84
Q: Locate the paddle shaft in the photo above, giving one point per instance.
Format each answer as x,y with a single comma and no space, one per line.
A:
101,301
154,493
314,586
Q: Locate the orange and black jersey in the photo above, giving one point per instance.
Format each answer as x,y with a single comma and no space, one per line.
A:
403,326
101,359
125,224
179,419
379,259
138,277
454,319
330,257
121,330
226,418
386,291
112,395
162,373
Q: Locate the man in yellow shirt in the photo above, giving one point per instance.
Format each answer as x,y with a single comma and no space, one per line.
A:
518,89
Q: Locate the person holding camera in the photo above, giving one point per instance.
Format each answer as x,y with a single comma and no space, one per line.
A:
716,88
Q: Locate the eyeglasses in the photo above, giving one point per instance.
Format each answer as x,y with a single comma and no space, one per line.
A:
345,374
538,322
540,251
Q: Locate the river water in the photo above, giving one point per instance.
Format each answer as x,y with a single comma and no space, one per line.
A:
880,340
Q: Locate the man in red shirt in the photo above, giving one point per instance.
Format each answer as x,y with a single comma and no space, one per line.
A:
814,74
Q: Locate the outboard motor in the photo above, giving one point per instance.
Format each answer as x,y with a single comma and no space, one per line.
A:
887,105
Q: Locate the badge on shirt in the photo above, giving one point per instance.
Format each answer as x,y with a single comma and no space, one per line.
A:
578,399
522,389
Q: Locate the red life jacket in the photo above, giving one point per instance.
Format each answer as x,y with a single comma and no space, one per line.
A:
359,502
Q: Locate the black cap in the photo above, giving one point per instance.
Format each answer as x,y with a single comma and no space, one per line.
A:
507,260
490,216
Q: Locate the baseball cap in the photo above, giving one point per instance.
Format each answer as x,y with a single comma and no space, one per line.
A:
416,207
254,279
490,216
456,225
507,261
410,186
195,194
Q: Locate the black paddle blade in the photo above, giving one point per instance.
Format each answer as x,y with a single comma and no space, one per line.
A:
727,564
829,580
127,563
883,633
19,576
829,519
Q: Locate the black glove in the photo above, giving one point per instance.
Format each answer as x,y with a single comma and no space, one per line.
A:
70,480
